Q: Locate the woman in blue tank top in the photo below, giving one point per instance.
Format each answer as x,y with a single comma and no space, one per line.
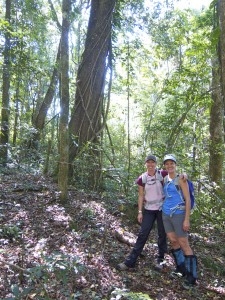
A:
176,220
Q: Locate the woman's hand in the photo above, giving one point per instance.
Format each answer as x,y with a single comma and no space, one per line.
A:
140,217
183,176
186,225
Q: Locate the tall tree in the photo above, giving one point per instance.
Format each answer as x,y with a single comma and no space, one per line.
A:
217,109
4,135
42,110
221,10
85,123
41,113
64,104
216,128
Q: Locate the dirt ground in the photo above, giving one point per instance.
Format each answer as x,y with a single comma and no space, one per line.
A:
51,251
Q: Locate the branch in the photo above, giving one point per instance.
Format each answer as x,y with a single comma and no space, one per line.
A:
15,267
54,15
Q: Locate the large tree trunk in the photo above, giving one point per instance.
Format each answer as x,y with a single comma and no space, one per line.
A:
64,107
217,109
85,124
221,13
4,134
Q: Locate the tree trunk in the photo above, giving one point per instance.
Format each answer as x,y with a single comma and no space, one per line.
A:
216,128
42,110
85,123
221,13
39,119
4,135
16,115
217,109
64,105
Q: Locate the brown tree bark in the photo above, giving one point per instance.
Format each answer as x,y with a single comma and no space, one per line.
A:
64,103
42,110
217,109
5,111
221,13
39,118
85,124
16,115
216,128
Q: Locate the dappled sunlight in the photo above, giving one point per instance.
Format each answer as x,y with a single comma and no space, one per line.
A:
75,249
57,213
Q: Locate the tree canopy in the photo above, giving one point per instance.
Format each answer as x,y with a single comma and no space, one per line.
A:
89,88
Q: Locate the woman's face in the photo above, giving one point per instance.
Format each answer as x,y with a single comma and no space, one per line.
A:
150,165
170,166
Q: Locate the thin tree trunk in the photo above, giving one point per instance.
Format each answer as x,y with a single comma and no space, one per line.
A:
42,110
16,117
4,135
39,119
46,167
216,128
128,118
172,138
64,113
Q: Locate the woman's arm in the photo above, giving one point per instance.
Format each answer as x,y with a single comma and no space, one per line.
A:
140,202
184,186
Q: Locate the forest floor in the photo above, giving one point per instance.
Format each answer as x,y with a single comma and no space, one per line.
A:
51,251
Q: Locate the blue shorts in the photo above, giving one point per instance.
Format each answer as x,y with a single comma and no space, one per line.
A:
174,223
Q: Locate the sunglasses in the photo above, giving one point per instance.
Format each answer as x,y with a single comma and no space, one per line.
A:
151,181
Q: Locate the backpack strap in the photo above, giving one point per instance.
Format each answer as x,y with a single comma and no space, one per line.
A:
177,185
181,205
158,176
144,178
165,180
191,192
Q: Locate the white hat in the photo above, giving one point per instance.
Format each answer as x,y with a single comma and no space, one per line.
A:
169,157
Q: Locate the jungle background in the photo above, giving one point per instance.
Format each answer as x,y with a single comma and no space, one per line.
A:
88,89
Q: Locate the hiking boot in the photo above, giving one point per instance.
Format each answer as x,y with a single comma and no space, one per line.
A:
187,285
191,275
159,265
123,267
176,274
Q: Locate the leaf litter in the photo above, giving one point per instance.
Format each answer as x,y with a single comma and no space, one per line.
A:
51,251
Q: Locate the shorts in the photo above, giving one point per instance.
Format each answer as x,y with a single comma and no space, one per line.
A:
174,223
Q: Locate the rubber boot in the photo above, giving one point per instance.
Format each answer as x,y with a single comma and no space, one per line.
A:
191,267
180,264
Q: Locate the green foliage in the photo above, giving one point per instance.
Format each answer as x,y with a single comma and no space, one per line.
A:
208,205
55,273
11,232
162,63
125,15
25,158
87,167
215,266
174,110
125,294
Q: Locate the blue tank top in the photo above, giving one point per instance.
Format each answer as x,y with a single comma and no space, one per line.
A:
172,199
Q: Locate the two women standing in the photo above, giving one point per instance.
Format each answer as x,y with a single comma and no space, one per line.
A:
171,210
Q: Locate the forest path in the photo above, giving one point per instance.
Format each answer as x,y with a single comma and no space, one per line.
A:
53,252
